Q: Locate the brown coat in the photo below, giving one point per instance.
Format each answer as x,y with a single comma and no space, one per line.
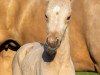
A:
22,21
84,35
22,25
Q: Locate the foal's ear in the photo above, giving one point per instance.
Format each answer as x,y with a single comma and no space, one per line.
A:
71,1
47,1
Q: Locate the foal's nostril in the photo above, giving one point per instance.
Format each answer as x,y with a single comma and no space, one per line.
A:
57,41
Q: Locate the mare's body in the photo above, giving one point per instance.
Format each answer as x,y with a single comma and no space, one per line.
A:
84,35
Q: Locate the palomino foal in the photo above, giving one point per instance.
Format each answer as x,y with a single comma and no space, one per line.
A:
52,58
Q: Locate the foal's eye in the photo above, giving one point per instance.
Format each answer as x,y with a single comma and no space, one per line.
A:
68,18
46,18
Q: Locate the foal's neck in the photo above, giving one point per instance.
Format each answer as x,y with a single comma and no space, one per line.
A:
63,52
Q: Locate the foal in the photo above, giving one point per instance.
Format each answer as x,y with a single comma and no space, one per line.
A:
53,57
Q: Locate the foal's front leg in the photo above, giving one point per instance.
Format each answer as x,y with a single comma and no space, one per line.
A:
67,69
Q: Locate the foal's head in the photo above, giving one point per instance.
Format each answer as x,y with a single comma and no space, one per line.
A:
57,16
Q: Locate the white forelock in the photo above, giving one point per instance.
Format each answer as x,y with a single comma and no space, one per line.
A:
56,8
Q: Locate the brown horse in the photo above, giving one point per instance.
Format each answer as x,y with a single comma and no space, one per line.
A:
23,27
84,35
18,23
